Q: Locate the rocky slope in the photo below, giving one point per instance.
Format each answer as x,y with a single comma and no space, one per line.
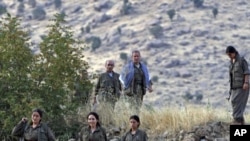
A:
186,55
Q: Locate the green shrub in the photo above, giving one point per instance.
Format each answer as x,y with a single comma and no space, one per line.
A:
58,3
32,3
199,97
126,8
155,78
2,9
95,42
156,31
188,96
215,12
39,14
171,14
198,3
123,56
20,8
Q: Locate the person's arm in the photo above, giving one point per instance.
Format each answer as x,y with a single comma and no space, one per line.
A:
105,135
18,130
246,75
145,136
51,135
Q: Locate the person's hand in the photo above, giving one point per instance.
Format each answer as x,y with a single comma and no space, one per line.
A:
94,101
245,86
24,119
150,89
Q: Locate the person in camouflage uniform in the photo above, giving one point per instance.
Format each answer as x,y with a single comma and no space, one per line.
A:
135,134
135,76
108,86
239,84
35,130
94,131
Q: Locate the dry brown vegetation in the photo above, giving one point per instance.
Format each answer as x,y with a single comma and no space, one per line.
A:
167,120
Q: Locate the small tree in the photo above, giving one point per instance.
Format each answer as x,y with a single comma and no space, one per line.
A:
215,12
15,83
58,73
2,9
171,14
124,56
156,30
198,3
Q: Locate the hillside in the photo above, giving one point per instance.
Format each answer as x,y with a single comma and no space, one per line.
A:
186,56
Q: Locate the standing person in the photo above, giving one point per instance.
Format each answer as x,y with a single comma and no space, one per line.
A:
34,130
135,78
108,85
239,84
94,131
135,134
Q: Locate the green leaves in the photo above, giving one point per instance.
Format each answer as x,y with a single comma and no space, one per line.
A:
55,79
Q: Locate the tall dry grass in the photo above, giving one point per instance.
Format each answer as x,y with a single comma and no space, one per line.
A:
157,121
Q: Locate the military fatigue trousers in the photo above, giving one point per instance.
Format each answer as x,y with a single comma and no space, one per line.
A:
135,101
239,99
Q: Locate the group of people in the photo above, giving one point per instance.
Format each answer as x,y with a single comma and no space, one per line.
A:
36,130
135,79
133,82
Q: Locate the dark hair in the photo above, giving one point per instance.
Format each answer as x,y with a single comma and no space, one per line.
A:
135,51
39,111
96,116
135,117
231,49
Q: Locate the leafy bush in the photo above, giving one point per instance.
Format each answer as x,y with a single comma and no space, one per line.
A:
156,31
32,3
2,9
39,13
123,56
95,42
215,12
58,3
171,14
126,8
20,8
188,96
155,78
54,80
198,3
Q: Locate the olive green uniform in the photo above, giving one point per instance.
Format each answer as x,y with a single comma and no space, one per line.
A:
108,87
98,135
239,97
40,133
138,136
139,90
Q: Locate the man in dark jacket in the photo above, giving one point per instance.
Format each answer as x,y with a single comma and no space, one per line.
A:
239,84
108,86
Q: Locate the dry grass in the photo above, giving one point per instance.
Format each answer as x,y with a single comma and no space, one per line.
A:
155,121
159,121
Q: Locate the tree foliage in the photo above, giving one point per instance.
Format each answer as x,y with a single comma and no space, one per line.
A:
215,12
171,14
55,79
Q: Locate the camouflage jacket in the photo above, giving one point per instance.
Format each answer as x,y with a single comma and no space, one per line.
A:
237,72
138,136
98,135
108,84
42,132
